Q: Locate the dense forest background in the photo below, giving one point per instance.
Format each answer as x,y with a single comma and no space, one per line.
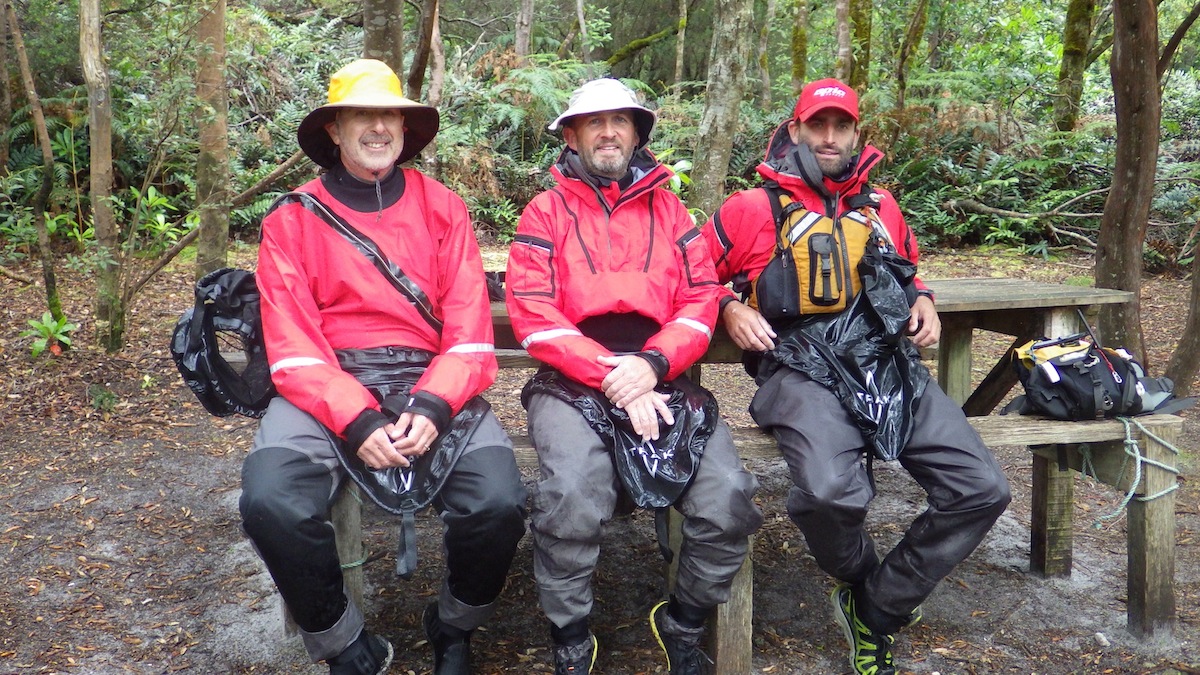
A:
131,128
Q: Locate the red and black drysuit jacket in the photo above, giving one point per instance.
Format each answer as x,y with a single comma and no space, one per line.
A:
861,353
320,295
601,267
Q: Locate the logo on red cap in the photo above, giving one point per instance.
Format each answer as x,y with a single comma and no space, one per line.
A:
824,94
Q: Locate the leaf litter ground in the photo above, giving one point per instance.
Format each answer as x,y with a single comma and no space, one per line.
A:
120,547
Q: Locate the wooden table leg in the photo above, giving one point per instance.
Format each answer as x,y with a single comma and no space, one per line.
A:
1051,515
954,359
1151,543
730,626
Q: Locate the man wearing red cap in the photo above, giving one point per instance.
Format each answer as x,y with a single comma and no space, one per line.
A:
379,357
609,284
830,315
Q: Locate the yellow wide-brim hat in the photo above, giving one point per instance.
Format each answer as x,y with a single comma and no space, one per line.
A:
366,83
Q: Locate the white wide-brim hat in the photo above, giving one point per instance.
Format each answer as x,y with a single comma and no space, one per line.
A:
606,94
366,83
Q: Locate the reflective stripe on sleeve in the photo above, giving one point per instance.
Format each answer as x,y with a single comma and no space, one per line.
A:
694,325
542,336
471,348
296,362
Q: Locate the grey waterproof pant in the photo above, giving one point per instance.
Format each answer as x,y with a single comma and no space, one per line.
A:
577,495
289,481
966,492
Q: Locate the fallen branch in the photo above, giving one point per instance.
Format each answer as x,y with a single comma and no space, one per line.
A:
5,272
268,180
978,207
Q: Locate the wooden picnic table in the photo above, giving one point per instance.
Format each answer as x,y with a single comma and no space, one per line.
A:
1023,309
1019,308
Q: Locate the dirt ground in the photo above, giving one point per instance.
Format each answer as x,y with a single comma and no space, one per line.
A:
120,548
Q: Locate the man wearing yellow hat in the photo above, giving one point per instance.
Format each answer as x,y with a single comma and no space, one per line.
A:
379,337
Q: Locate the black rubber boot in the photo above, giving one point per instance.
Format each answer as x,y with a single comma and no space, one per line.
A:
451,646
367,655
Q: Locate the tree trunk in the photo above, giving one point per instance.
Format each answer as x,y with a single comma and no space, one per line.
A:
764,71
437,78
584,50
935,32
733,28
523,38
53,303
860,55
680,41
1127,209
420,59
1168,52
912,38
845,56
800,47
212,164
110,311
383,32
1185,360
5,89
1077,32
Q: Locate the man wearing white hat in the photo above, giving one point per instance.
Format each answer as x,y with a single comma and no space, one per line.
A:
610,285
375,382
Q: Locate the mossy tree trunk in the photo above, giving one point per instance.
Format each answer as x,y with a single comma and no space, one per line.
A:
1077,32
49,278
733,31
110,310
212,165
860,56
383,32
799,46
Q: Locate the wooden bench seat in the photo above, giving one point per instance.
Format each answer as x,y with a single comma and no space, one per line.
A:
1057,447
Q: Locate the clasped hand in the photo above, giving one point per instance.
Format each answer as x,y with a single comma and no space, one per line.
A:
395,443
630,387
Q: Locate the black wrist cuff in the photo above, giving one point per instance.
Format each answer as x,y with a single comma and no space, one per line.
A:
363,426
657,361
431,406
725,300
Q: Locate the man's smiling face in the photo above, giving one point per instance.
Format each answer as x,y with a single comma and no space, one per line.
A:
370,140
605,141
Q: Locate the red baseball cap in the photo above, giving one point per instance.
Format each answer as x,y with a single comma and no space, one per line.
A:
824,94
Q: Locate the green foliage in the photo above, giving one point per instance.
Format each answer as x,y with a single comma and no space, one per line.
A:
497,216
48,333
975,125
103,399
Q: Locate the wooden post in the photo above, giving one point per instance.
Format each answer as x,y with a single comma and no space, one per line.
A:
1151,542
347,527
954,358
347,524
1051,515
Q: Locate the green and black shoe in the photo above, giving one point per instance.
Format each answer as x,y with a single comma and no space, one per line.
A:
870,652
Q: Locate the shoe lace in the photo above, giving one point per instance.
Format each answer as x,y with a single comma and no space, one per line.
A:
871,650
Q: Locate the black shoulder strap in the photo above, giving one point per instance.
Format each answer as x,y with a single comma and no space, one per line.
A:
865,197
779,212
390,270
